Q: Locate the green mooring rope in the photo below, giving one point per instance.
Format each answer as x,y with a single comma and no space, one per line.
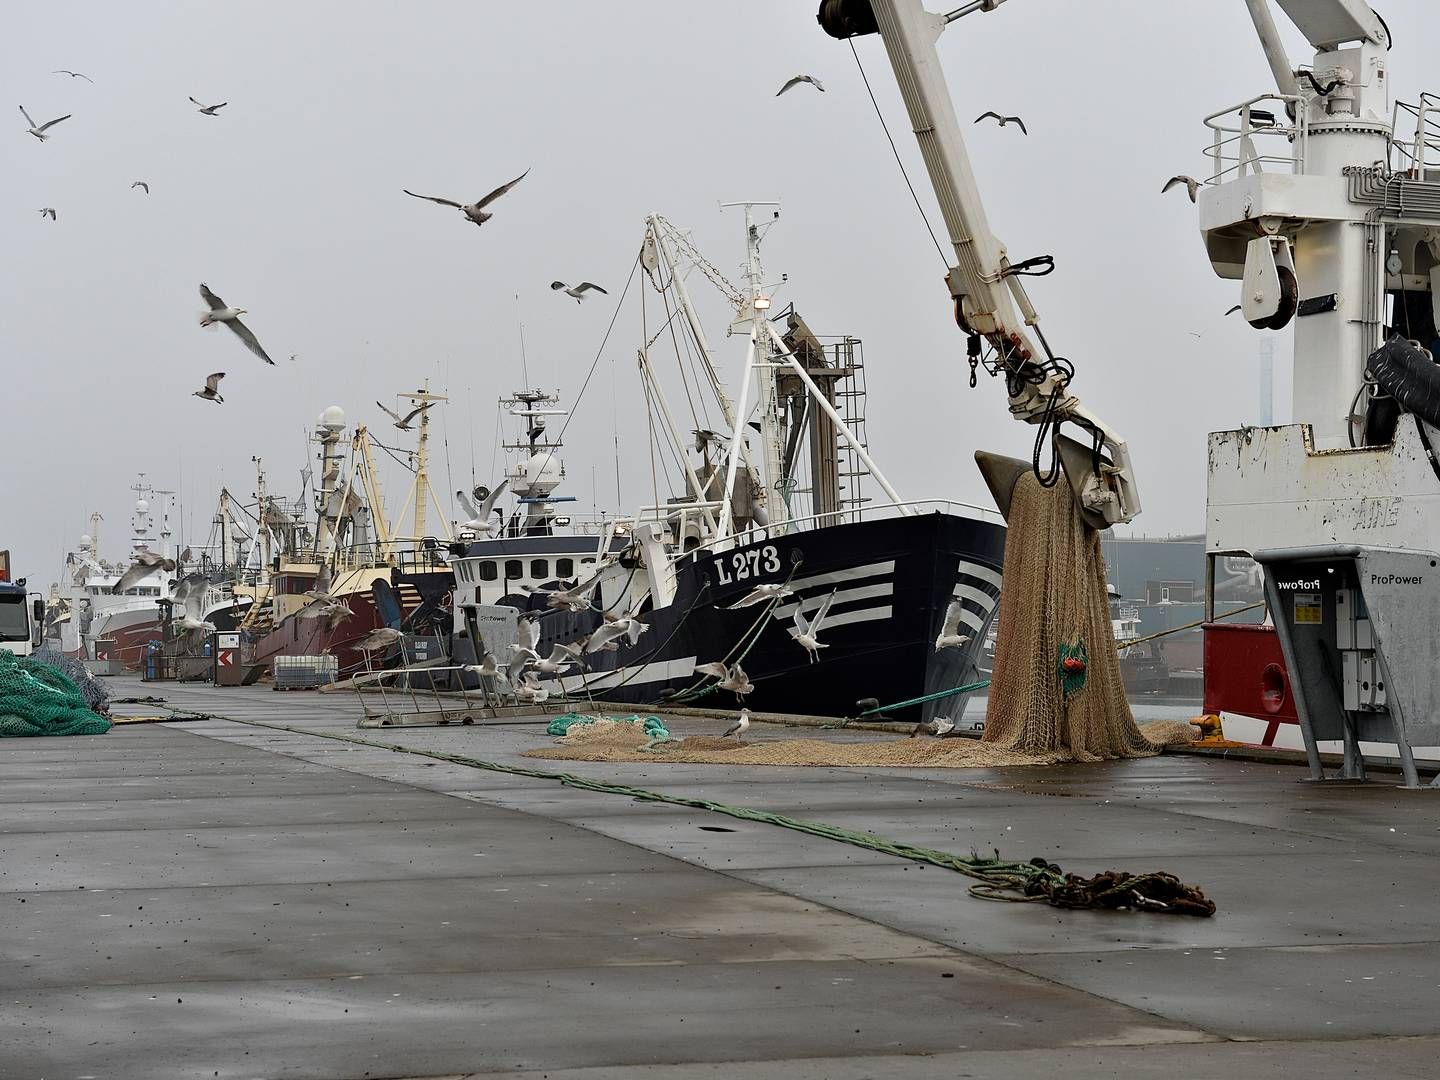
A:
967,688
1036,881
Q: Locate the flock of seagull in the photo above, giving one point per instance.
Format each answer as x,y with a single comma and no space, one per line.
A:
521,672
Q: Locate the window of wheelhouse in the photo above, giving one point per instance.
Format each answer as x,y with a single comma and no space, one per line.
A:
514,569
564,568
489,571
539,569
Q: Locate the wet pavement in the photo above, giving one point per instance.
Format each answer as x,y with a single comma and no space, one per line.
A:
212,898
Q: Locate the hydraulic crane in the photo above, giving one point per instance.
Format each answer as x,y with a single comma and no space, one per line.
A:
991,305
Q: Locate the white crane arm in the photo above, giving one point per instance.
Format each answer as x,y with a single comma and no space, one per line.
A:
990,302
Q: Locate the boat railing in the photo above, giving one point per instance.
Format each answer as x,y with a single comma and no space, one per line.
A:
1417,158
1238,132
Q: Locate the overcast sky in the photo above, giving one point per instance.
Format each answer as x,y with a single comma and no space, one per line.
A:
289,204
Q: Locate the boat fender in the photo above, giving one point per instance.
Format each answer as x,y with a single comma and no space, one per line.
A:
1410,375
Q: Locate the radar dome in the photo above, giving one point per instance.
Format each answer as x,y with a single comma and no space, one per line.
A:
333,419
141,506
87,541
537,476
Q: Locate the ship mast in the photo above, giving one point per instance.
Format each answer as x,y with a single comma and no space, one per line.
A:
756,311
420,489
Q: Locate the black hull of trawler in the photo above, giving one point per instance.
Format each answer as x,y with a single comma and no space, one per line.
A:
893,580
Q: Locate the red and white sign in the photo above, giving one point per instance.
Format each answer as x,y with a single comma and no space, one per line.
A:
225,658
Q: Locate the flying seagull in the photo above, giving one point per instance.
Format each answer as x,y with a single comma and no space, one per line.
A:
1191,185
796,80
381,638
221,313
39,131
480,519
212,388
474,211
1233,310
807,633
209,110
1004,120
140,184
146,563
739,727
772,591
577,291
189,596
732,678
403,422
950,636
74,75
49,212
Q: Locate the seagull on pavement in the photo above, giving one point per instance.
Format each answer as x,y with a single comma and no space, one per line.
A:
806,633
939,726
796,80
146,563
481,517
1191,185
772,591
140,184
74,75
577,291
220,312
950,636
39,130
209,110
212,388
739,727
732,678
403,422
1004,120
473,211
49,212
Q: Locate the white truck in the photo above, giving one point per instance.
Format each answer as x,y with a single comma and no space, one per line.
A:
21,619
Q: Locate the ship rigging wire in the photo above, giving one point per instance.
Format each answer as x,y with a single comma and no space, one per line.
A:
898,161
601,351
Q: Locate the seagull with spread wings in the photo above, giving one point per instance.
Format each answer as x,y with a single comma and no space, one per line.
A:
220,312
146,563
473,211
189,598
806,633
49,211
796,80
140,184
1003,120
1191,185
38,130
74,75
209,110
403,422
950,636
212,388
577,291
481,516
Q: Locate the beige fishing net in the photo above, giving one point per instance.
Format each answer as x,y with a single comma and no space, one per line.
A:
1054,607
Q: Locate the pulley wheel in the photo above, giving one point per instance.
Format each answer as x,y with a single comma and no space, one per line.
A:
1289,302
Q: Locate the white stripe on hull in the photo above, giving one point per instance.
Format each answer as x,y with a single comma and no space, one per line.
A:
839,577
808,604
975,570
968,592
